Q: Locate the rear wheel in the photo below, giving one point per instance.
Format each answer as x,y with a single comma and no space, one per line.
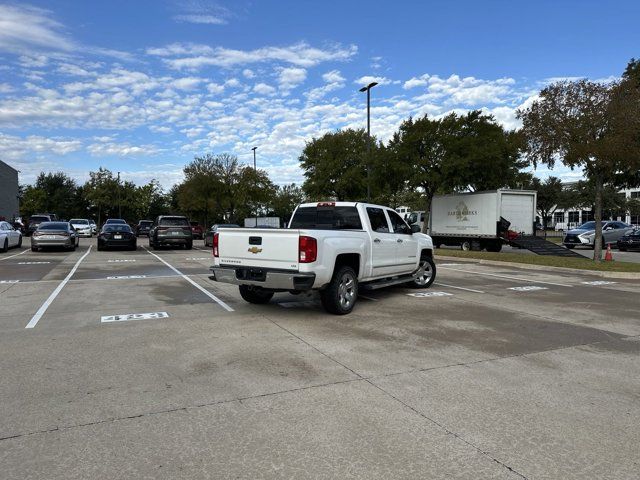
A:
255,295
494,247
100,248
189,246
570,247
20,241
426,273
34,249
465,246
341,294
622,249
5,246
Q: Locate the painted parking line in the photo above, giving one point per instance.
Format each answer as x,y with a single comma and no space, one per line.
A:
33,263
598,282
125,277
508,277
203,290
528,288
38,315
198,258
11,256
459,288
121,260
2,282
430,294
127,317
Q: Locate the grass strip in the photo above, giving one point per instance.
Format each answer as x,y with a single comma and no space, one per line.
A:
550,261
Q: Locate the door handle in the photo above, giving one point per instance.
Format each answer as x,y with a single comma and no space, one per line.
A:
399,240
376,240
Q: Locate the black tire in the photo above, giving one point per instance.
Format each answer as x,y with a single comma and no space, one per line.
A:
189,246
425,281
340,296
5,246
622,249
256,295
20,242
465,246
100,248
494,247
570,247
34,249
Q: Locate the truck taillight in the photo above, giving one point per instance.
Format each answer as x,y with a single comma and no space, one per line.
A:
216,242
307,249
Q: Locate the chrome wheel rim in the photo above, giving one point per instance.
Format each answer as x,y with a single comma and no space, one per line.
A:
424,273
346,291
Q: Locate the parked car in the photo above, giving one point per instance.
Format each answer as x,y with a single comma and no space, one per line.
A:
115,220
208,238
34,221
94,227
54,234
337,248
196,230
82,226
171,230
585,234
9,237
630,241
116,235
143,227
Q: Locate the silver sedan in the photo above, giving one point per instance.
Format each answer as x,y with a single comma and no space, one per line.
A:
54,234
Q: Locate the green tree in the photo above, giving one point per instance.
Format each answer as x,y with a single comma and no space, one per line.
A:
548,198
285,199
588,125
101,193
335,165
52,193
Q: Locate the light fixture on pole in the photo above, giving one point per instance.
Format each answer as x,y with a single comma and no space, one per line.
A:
256,172
368,90
119,207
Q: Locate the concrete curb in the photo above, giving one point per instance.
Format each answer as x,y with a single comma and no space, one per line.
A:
525,266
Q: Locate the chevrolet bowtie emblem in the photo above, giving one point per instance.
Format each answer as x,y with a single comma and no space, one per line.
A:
254,250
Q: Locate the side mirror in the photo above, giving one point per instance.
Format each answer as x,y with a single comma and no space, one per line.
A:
415,228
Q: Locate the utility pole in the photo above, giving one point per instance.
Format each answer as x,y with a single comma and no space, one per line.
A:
119,205
256,172
368,90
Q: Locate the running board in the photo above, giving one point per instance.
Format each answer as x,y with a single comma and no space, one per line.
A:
375,285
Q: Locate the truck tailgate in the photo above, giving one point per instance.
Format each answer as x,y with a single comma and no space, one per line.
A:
259,247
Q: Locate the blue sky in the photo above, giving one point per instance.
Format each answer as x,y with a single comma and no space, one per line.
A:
143,86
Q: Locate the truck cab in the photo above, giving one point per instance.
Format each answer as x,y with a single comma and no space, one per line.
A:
334,247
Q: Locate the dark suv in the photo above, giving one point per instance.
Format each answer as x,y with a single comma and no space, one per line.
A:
35,221
143,227
171,230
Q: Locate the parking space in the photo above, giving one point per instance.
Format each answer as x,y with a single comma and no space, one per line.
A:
140,359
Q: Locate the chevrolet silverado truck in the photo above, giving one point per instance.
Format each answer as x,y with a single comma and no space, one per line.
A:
338,248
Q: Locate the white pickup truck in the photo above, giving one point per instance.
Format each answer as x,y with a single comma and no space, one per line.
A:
337,248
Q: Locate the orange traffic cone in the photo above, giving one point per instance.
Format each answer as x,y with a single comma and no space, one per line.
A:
608,257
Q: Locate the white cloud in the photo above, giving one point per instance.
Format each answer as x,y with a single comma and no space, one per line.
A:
215,88
367,79
291,77
25,28
13,147
248,73
202,19
420,81
186,83
333,76
468,91
6,88
334,81
264,89
109,148
195,56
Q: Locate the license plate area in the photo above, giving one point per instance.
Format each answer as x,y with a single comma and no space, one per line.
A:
118,237
252,274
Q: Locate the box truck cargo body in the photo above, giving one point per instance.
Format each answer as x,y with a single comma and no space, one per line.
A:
481,219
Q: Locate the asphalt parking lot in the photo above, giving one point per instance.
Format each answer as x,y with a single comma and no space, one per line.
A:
491,373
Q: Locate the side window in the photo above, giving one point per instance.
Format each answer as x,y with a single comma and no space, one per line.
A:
398,225
377,220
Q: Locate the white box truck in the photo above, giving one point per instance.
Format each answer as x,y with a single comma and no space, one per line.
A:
262,222
482,220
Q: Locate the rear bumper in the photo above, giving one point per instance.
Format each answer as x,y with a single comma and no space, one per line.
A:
52,243
273,280
173,240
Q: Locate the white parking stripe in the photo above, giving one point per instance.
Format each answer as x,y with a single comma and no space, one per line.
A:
507,277
11,256
36,318
459,288
203,290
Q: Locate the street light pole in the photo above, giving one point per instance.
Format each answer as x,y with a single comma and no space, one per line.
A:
368,90
256,172
119,206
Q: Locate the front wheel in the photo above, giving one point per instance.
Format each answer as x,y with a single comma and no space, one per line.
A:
570,247
20,242
341,294
622,249
189,246
255,295
426,273
465,246
5,246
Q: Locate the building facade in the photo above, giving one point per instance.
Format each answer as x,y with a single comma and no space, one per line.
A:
563,219
9,202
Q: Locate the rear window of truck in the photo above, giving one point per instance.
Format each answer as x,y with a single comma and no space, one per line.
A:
326,218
